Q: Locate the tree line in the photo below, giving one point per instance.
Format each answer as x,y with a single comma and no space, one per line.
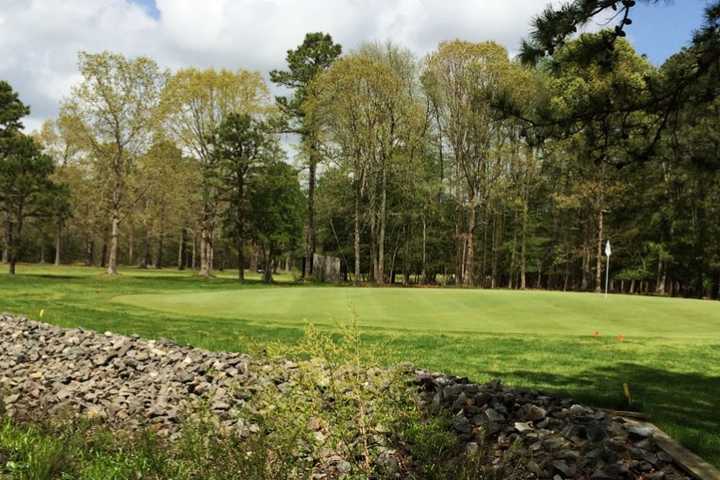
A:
464,167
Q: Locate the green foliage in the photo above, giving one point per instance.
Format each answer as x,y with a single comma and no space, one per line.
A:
305,63
11,109
26,190
276,211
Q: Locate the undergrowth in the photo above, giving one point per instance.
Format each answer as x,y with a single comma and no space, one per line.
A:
341,413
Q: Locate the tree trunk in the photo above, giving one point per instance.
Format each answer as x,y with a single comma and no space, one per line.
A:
497,241
104,251
585,268
240,228
15,239
356,235
193,262
460,247
254,257
469,267
380,277
12,241
372,273
6,246
211,252
523,247
511,272
241,259
145,262
539,275
90,252
205,250
159,258
660,283
268,267
223,254
112,268
310,241
42,251
483,258
58,243
131,245
181,250
424,274
599,255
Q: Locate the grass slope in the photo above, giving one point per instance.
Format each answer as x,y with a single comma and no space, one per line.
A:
670,356
450,310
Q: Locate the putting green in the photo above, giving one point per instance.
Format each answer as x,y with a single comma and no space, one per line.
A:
449,310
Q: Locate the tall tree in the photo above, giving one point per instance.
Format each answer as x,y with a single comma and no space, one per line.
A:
196,103
462,79
305,63
25,187
11,112
276,212
168,187
241,144
116,107
367,114
57,140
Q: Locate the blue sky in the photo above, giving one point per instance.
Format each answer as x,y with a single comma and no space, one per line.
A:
149,6
661,30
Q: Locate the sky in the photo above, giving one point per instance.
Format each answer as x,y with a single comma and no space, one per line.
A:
40,39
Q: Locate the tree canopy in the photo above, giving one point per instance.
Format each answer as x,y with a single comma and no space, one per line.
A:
463,167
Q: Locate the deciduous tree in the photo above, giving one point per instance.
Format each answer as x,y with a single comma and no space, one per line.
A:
304,64
116,109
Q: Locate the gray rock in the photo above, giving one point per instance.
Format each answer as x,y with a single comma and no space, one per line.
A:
534,413
461,424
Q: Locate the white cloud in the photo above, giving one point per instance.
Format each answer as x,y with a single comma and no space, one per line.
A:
39,39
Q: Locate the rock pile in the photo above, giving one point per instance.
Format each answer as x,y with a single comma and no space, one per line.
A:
135,383
554,438
125,380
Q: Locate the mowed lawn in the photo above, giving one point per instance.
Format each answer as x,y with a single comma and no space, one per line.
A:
434,310
666,350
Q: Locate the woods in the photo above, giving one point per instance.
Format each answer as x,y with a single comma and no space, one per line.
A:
464,167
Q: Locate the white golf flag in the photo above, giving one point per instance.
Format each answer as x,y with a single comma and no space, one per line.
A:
608,251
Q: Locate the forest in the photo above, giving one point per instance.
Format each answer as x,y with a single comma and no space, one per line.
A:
467,166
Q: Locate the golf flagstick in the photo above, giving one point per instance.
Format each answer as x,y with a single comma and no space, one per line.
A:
608,252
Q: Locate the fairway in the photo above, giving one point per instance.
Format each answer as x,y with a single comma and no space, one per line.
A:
669,357
449,310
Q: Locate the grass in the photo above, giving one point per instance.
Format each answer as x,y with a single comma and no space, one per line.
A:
448,310
669,354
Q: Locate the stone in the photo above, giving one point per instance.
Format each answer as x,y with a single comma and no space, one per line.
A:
388,462
562,467
523,427
534,413
472,449
533,467
131,383
640,431
461,424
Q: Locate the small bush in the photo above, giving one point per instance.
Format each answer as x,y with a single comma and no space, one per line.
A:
332,409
